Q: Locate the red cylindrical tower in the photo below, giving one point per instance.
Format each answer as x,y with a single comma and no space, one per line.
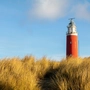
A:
72,40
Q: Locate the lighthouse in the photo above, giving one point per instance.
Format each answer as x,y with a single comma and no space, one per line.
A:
71,40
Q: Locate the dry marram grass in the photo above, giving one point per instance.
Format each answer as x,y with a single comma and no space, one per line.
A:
44,74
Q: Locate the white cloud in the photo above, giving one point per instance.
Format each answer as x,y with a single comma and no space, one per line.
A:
82,10
54,9
50,9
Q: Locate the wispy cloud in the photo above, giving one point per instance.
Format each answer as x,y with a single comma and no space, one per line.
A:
54,9
49,9
82,10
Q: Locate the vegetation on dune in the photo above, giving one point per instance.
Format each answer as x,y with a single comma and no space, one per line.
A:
44,74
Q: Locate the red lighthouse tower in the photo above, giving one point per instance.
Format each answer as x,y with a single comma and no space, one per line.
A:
72,40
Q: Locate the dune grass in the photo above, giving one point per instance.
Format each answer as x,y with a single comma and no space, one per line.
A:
30,73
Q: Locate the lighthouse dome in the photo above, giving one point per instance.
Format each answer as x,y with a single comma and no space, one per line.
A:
71,23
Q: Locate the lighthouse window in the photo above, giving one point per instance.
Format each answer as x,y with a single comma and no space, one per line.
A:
70,42
69,30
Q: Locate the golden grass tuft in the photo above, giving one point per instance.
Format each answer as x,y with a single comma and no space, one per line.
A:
30,73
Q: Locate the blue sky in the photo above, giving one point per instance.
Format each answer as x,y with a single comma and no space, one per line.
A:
38,27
